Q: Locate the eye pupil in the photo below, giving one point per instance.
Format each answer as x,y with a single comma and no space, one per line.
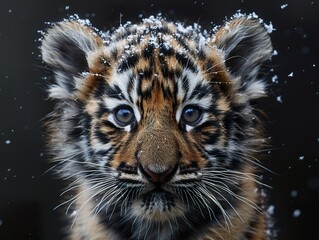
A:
191,115
124,116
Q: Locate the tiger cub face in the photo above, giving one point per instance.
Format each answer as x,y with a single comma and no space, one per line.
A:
153,124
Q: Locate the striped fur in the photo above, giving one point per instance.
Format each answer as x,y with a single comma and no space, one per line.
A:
155,131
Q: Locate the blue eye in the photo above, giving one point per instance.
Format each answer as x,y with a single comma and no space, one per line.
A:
191,115
124,116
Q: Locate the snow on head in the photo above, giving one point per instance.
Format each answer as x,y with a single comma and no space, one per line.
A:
269,27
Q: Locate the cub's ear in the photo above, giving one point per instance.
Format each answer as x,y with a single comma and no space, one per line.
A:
65,49
246,46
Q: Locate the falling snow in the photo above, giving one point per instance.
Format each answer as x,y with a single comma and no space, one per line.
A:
296,213
294,193
301,158
274,79
271,210
279,99
73,214
270,28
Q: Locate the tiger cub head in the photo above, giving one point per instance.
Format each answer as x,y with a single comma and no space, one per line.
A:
156,120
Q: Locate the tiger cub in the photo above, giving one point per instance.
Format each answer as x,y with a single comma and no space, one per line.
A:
155,130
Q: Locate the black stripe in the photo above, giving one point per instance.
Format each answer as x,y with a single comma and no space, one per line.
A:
130,86
101,136
86,123
102,153
115,149
165,48
250,232
228,124
238,107
100,88
200,91
98,155
235,161
168,95
240,125
111,126
127,63
114,53
148,51
212,109
185,84
209,66
103,88
207,124
102,110
211,138
76,132
180,37
123,34
76,129
219,154
201,55
146,93
146,73
186,62
114,92
169,73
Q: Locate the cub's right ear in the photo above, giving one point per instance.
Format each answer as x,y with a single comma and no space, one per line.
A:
65,49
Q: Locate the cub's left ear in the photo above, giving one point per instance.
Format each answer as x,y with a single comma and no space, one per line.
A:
65,49
246,45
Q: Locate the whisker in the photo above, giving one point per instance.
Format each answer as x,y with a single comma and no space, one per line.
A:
254,161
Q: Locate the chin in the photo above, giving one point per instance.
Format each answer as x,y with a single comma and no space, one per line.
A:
158,206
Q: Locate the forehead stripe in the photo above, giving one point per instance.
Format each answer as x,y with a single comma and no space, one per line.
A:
186,62
129,62
200,91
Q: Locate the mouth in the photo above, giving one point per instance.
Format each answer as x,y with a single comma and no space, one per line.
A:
158,195
157,203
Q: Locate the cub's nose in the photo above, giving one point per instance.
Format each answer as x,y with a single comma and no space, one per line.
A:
158,177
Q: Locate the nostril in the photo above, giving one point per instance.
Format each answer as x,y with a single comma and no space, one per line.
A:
152,176
157,178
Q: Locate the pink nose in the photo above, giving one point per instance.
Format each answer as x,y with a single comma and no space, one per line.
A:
158,178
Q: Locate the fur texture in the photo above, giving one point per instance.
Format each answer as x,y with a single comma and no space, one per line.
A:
155,131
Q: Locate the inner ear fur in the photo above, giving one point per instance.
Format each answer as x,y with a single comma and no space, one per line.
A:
246,46
66,46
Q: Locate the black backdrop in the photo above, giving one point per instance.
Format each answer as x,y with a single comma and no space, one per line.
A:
28,195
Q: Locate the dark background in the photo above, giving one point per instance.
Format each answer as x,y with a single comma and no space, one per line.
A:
28,195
